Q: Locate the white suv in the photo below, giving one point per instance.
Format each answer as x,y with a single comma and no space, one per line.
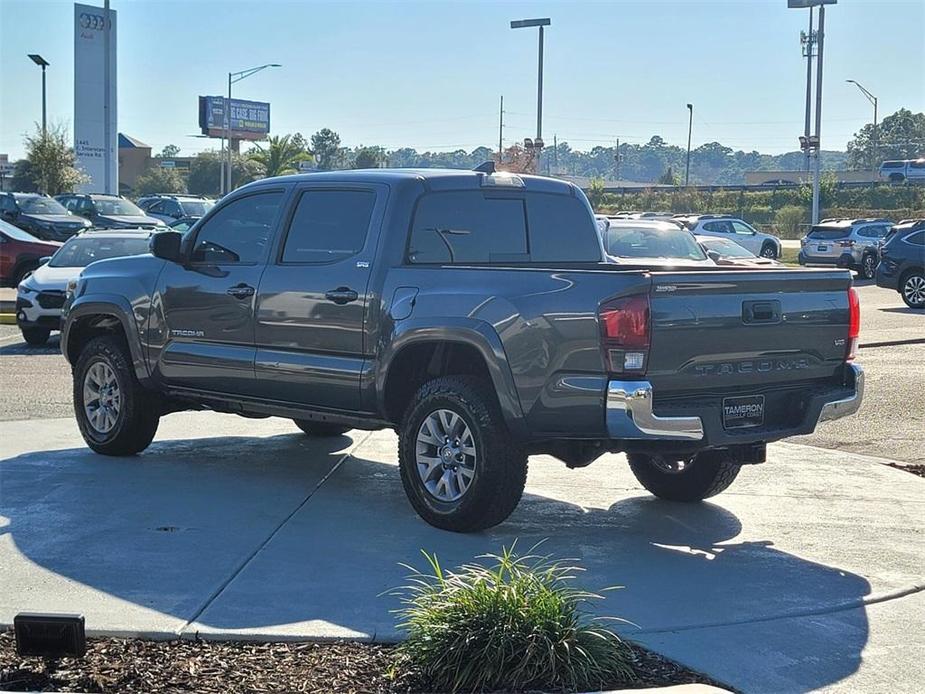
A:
728,227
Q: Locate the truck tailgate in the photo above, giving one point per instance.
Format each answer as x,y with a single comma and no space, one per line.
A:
726,332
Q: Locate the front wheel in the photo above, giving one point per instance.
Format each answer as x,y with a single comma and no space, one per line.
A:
868,267
35,337
912,288
116,415
696,478
769,250
459,466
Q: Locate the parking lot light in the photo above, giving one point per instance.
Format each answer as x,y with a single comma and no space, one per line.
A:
42,63
873,100
232,78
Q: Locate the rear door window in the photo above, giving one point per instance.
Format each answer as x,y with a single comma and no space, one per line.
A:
468,227
328,225
916,239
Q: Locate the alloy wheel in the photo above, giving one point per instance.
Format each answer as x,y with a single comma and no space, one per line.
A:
445,454
914,290
870,267
769,252
102,397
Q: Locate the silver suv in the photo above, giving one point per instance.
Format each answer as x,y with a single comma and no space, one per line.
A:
851,243
726,226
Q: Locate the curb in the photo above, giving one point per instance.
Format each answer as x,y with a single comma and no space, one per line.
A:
7,319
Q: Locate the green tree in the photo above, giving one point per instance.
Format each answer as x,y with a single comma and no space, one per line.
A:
169,152
23,179
279,156
327,150
158,180
900,136
51,161
369,158
596,193
205,173
669,178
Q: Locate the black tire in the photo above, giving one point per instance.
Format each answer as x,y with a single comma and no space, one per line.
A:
139,409
706,475
500,468
769,250
320,428
907,288
897,178
868,269
35,336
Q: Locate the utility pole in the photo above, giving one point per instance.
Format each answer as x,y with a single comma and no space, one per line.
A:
690,127
501,131
818,167
616,162
809,41
555,152
107,101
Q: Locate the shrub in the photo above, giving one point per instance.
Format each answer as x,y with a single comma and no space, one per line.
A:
788,219
507,622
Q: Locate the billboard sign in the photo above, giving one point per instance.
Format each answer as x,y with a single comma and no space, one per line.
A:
95,122
250,120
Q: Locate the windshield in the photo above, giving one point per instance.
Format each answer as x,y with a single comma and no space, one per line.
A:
116,206
652,242
196,208
40,205
727,248
83,250
17,233
828,233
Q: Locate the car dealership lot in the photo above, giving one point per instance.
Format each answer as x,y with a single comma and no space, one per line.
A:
806,574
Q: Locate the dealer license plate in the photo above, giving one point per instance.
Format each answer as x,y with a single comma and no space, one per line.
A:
744,411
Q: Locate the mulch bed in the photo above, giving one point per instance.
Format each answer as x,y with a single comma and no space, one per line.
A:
914,468
131,665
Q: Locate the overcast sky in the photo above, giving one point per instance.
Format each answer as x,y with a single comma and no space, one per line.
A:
429,74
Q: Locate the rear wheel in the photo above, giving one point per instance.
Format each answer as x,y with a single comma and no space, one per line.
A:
35,336
769,250
912,289
459,466
115,413
696,478
868,267
320,429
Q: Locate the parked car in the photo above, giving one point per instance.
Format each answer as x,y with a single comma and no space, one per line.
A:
850,243
169,208
729,227
40,296
902,262
473,313
109,211
727,252
900,171
43,217
653,243
20,253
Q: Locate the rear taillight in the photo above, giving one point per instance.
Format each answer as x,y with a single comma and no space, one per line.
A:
846,244
854,323
625,329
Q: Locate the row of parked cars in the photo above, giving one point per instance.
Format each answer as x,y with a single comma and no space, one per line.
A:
46,242
892,253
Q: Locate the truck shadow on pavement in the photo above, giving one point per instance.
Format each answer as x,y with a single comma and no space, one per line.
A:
280,536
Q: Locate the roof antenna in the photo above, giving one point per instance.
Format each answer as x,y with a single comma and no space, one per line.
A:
486,168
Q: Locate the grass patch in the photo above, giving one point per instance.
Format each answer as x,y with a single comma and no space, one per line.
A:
788,256
506,622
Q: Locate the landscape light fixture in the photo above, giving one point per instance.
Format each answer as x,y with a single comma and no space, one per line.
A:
42,63
50,635
541,24
232,78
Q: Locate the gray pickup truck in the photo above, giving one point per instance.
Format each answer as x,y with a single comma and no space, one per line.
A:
473,313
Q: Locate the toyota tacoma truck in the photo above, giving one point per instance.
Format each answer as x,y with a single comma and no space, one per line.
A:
473,313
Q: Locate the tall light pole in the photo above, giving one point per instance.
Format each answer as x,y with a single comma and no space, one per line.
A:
232,78
42,63
690,127
541,24
872,99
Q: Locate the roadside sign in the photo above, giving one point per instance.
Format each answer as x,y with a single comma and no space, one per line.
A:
168,164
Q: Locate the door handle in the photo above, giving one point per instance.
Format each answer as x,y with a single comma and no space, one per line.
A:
240,291
341,295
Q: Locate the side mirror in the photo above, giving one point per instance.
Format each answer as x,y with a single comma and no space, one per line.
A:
44,259
166,245
714,256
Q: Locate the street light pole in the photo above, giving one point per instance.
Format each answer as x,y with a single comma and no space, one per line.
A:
541,24
690,127
876,135
41,62
817,173
810,41
232,78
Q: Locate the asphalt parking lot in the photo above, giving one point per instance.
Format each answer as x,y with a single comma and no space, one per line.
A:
806,574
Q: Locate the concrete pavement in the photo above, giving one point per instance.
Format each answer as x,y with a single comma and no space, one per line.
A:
804,575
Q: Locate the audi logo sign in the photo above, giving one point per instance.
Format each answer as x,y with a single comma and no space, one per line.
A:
92,21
